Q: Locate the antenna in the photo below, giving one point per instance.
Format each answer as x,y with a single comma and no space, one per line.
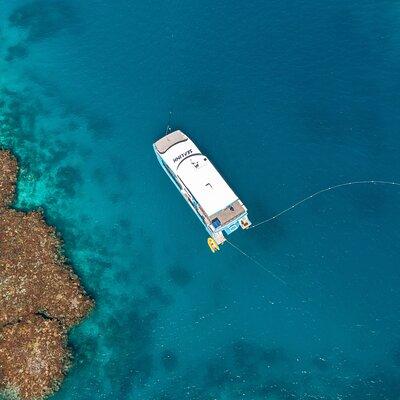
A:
168,128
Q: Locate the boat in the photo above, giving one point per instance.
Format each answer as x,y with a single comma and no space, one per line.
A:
202,186
212,244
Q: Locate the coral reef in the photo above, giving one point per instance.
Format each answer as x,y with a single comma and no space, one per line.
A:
41,358
40,297
8,177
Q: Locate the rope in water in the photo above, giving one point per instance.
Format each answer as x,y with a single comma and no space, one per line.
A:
278,278
295,290
320,192
257,263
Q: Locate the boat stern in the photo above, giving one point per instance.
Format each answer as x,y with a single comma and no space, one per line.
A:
228,221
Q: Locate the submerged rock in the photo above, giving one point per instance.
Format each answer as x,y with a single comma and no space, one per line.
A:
40,297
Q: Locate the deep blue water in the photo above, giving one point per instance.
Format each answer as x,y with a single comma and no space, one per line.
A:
286,97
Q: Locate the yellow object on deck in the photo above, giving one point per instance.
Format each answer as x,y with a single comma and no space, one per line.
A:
212,244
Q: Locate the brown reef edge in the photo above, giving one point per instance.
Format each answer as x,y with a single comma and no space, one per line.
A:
40,297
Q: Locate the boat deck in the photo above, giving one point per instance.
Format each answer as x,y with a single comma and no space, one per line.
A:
230,213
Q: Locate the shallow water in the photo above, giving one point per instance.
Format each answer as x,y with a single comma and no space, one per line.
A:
286,98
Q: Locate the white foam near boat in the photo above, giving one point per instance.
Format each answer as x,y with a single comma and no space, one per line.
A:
202,186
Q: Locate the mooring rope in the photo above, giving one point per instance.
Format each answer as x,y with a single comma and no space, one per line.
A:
302,296
257,263
275,276
376,182
320,192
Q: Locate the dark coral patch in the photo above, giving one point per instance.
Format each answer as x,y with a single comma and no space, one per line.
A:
16,52
180,276
100,126
68,178
157,294
43,18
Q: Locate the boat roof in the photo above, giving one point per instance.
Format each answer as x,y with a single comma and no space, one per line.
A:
197,173
163,144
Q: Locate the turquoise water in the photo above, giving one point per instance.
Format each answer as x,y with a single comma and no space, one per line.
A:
286,98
